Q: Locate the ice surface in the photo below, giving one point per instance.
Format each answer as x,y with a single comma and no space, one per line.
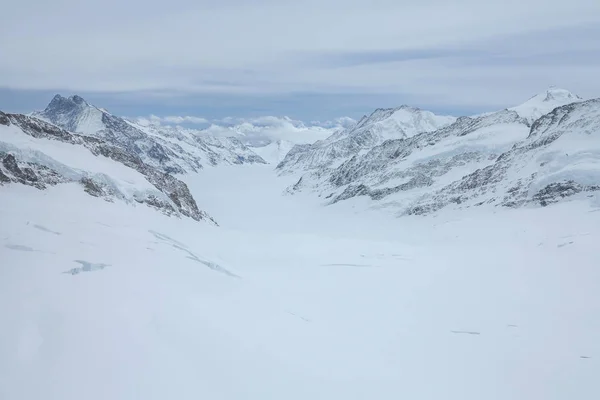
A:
485,304
86,266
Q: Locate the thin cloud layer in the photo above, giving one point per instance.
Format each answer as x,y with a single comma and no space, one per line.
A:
173,120
185,120
260,131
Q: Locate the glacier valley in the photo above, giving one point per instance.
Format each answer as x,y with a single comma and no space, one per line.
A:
409,255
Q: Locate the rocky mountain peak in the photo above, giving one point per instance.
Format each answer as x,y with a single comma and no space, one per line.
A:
73,114
63,104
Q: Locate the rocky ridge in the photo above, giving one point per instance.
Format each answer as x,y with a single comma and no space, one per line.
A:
383,124
172,150
487,159
172,196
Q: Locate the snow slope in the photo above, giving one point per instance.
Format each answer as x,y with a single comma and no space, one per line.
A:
124,303
274,152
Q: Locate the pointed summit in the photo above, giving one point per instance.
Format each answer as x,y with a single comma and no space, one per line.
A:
57,98
61,104
57,102
545,102
73,114
78,100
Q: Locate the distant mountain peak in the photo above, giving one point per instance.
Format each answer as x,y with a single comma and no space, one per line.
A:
61,103
73,114
57,97
544,102
555,93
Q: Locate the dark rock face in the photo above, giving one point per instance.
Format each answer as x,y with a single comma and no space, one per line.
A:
165,207
40,129
4,119
174,188
3,178
554,192
63,111
96,189
31,174
10,164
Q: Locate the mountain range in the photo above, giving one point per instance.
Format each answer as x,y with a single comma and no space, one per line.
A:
406,159
537,153
171,149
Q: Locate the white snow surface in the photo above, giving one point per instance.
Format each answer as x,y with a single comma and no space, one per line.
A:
291,300
274,152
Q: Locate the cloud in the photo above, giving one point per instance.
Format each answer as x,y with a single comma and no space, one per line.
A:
343,122
368,57
171,120
185,120
263,130
467,53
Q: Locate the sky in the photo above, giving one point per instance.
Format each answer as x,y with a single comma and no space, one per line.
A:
309,60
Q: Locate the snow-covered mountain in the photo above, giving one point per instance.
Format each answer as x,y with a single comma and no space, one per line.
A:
36,153
381,125
430,170
560,158
545,102
171,150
